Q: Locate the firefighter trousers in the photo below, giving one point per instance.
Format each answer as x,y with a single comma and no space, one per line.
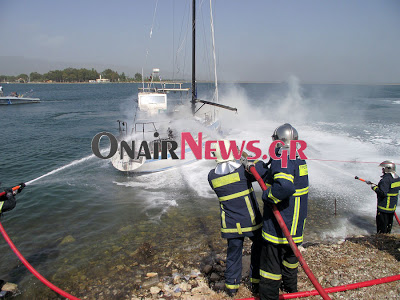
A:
233,272
278,265
384,222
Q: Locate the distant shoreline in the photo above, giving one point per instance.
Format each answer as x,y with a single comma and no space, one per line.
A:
201,81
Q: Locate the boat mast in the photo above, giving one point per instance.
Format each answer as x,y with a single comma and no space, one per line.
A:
193,56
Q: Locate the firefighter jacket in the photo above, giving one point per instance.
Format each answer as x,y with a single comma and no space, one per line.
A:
289,192
240,215
387,192
7,201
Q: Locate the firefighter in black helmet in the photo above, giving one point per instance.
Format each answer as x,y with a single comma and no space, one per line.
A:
289,192
387,192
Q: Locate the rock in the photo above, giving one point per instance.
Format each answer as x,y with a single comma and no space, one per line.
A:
207,269
220,286
214,277
67,240
151,274
245,266
194,273
168,264
10,287
302,249
184,286
177,279
150,282
116,249
334,282
154,290
200,290
219,268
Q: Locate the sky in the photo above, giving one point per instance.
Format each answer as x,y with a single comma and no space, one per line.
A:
343,41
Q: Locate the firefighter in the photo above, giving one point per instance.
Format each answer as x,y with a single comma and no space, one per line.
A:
387,192
7,203
240,215
289,192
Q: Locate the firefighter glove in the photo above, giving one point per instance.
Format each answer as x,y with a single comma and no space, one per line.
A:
21,186
246,163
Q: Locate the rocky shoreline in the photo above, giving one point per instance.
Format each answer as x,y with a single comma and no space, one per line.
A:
352,260
197,272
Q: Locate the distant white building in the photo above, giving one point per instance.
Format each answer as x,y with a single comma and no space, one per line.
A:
102,80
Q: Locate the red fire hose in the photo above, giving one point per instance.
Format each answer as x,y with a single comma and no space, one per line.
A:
292,244
397,218
26,263
336,289
32,270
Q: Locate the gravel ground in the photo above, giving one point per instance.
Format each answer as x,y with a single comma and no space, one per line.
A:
355,259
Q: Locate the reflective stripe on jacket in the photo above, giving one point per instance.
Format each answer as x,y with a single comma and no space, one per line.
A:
240,215
289,192
387,192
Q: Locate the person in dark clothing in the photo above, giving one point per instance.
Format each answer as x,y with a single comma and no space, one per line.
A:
387,192
7,203
240,216
289,192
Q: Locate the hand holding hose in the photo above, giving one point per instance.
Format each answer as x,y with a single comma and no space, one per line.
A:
246,164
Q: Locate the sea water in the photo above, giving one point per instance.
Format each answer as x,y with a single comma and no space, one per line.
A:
108,215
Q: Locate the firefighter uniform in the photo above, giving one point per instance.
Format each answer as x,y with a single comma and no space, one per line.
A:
7,201
387,192
240,217
289,192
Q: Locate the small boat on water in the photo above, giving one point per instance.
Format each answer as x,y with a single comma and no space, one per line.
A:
14,98
7,100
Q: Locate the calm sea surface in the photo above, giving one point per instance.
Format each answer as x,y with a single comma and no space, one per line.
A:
84,218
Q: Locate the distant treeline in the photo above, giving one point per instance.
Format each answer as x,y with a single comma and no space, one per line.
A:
71,75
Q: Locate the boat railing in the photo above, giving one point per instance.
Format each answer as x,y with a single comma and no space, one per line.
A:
164,87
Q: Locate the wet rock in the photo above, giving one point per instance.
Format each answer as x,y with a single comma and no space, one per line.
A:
151,274
116,249
219,268
219,286
67,240
10,287
207,269
214,277
150,282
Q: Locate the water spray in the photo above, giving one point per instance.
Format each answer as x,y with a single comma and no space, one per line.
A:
370,183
